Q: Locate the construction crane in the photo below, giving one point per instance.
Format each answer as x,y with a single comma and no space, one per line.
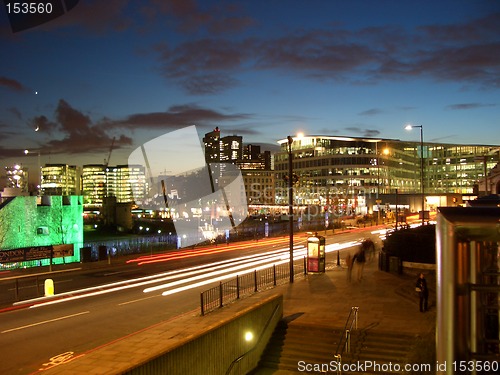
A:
106,161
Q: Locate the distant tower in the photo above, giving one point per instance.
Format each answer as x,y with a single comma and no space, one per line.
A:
212,146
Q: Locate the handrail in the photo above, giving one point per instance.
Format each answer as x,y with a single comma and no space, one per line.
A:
256,343
347,334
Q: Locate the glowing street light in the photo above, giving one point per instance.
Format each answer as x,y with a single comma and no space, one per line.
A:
38,174
410,127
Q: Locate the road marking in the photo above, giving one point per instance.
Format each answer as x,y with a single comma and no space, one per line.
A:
45,321
59,360
138,300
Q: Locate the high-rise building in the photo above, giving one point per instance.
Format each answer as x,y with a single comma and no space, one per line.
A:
219,149
125,182
231,149
93,184
212,144
59,179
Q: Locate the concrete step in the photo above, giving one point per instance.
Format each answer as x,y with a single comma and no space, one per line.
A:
294,346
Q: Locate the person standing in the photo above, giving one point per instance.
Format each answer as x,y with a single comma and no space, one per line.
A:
423,292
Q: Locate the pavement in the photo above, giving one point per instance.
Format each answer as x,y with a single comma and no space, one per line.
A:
386,301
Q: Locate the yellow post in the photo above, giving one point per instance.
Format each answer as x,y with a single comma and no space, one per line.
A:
49,287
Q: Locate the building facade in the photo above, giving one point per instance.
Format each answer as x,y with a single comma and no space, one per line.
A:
125,182
59,179
341,171
93,184
260,186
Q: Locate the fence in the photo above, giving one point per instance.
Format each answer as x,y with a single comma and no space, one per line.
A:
247,284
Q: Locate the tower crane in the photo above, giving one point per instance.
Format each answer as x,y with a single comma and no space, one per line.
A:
106,163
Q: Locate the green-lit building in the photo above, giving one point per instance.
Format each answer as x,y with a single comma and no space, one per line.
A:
35,229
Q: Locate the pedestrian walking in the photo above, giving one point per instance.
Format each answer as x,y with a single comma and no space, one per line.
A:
423,292
360,258
369,247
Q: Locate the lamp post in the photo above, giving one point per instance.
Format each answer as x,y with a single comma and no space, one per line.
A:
290,202
409,127
38,175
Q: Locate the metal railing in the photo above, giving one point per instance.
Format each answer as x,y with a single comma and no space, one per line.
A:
345,337
247,284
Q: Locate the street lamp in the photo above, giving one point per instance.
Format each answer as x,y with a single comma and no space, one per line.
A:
38,176
290,202
409,127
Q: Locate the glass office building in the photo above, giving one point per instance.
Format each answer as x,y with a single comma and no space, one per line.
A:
332,168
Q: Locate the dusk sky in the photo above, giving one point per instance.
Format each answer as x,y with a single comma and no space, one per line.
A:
135,70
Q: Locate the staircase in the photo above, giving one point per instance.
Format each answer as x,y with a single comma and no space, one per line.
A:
299,348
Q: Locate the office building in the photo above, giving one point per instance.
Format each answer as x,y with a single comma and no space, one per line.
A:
59,179
342,171
93,184
259,186
125,182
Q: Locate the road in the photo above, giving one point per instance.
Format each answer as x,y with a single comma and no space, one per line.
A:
92,317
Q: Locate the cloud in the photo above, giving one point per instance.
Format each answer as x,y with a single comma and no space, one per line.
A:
406,108
77,132
16,112
240,131
11,84
176,117
94,16
10,152
363,132
189,17
43,125
371,112
467,52
208,84
469,106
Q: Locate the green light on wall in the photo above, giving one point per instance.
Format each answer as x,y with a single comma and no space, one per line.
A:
42,221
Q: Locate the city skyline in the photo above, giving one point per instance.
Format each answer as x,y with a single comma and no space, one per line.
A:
133,72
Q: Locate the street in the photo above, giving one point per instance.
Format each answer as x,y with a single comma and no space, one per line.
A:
88,318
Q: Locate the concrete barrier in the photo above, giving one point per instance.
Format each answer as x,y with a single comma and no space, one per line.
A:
188,344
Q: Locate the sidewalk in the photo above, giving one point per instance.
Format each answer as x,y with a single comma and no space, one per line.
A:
387,302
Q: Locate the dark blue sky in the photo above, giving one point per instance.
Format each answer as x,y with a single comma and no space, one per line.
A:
135,70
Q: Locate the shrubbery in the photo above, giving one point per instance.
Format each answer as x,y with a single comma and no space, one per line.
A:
413,244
